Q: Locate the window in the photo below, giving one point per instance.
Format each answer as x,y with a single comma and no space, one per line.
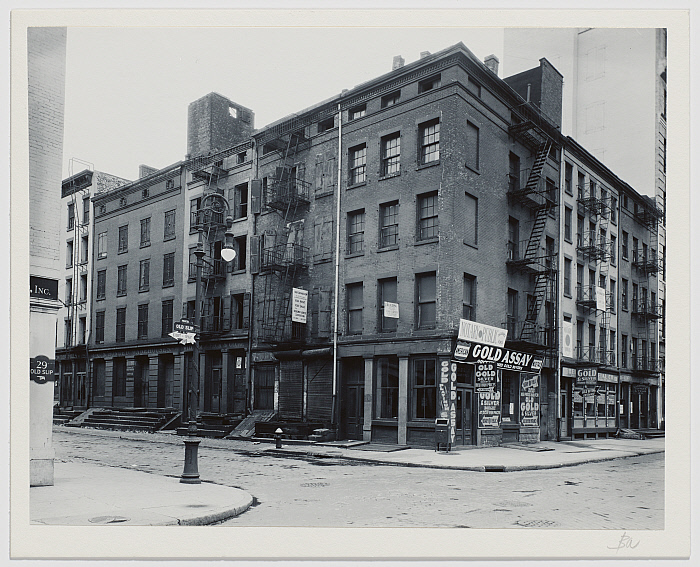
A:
69,291
567,277
469,298
357,112
429,84
169,225
623,294
625,251
123,238
240,245
357,162
144,276
473,86
604,201
635,297
68,332
426,301
355,302
166,317
240,201
635,250
612,296
119,386
121,324
145,192
99,327
84,249
427,216
613,249
69,254
83,287
579,230
568,175
356,232
168,269
238,311
513,236
101,284
146,232
388,224
387,387
612,348
471,220
579,339
194,213
591,342
613,209
429,142
102,245
513,172
391,99
424,385
387,294
581,184
82,326
71,216
568,213
623,351
390,154
579,282
323,126
86,210
121,280
472,146
143,321
512,312
593,187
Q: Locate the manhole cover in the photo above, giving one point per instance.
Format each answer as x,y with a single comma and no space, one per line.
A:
108,520
315,484
536,523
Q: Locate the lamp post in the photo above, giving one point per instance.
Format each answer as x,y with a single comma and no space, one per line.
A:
190,474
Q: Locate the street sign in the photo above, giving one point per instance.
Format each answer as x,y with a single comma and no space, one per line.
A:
42,369
184,327
183,338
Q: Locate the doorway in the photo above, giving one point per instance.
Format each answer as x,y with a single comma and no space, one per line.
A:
352,407
463,418
565,415
141,382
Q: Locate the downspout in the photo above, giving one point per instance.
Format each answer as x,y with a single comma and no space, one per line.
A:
337,270
249,354
559,317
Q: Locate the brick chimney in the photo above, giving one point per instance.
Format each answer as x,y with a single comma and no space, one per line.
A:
146,170
397,63
491,61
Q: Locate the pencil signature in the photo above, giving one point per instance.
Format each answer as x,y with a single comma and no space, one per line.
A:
626,542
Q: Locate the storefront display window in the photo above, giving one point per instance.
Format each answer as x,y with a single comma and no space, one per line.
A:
424,386
387,388
509,399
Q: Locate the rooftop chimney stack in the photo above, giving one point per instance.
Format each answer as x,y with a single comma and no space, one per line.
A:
424,54
146,170
491,62
398,62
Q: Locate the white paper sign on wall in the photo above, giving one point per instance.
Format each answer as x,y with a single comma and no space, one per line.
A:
300,299
391,310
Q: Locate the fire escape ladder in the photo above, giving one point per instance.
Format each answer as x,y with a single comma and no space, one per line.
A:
533,244
537,166
530,328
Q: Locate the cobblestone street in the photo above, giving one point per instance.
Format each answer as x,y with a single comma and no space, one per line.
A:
303,491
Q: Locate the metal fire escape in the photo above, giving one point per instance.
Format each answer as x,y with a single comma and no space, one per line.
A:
532,258
211,219
595,247
283,257
647,262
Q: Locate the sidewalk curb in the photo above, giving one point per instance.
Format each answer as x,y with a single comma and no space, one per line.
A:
216,516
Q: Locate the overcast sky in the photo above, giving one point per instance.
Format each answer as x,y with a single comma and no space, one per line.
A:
127,89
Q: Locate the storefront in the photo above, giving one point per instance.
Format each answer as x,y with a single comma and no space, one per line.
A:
589,403
506,392
638,403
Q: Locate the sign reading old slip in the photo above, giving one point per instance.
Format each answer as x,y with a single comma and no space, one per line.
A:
479,333
42,369
504,359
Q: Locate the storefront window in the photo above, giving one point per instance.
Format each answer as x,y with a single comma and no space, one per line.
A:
424,386
578,408
387,387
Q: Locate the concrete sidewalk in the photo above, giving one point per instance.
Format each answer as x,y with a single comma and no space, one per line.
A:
95,494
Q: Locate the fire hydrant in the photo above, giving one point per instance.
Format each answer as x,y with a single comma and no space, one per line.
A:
278,438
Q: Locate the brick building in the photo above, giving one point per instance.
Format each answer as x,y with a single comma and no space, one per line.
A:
385,239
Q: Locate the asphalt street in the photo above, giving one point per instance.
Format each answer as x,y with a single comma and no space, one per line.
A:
307,491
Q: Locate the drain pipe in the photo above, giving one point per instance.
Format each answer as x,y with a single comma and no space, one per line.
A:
337,272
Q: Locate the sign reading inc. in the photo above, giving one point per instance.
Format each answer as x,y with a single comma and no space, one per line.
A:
43,288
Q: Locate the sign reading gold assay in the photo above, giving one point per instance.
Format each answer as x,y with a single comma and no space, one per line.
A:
480,333
504,359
